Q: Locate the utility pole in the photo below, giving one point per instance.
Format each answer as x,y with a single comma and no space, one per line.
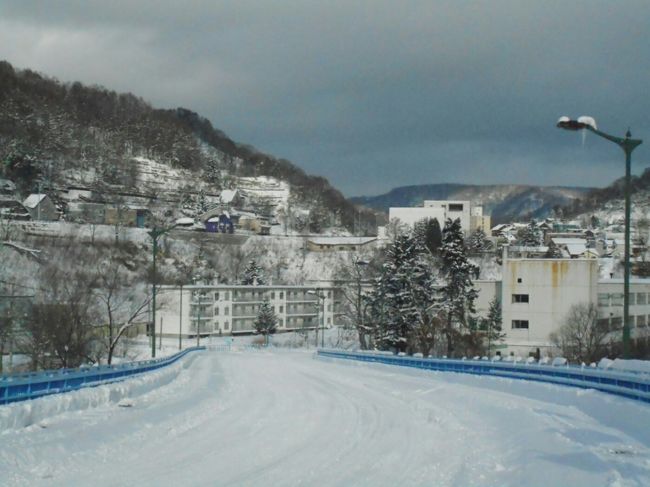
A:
198,321
155,233
180,322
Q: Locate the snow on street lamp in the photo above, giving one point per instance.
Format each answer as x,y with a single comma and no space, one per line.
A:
628,144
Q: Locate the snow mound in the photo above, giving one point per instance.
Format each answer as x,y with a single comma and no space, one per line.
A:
22,414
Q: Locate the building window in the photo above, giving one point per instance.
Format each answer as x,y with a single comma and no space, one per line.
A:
641,298
273,295
617,323
519,324
632,300
281,309
281,322
641,321
519,280
329,321
603,299
226,325
281,295
226,310
455,207
216,296
216,311
520,298
617,299
225,297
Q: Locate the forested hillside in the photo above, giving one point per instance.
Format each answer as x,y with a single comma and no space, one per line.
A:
60,133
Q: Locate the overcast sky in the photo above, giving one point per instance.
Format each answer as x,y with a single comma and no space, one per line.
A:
371,94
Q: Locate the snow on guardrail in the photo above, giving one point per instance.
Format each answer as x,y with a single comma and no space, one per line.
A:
633,385
22,387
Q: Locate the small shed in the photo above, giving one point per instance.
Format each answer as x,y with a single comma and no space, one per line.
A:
41,207
219,224
12,209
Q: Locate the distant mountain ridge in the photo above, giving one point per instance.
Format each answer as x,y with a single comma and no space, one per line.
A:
504,202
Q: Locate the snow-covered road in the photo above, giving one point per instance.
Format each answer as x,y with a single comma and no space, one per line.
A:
285,418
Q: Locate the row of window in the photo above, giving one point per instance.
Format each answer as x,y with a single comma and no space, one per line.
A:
616,299
251,295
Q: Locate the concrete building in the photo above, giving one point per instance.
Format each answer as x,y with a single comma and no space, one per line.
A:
478,220
453,210
537,294
232,309
411,215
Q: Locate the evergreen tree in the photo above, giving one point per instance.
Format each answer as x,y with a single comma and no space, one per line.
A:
401,302
530,236
457,296
253,275
201,204
428,232
493,324
213,173
553,252
477,240
266,321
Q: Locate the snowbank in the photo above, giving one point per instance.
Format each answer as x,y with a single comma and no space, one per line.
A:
23,414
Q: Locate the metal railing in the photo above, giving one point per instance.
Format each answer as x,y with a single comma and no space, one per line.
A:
21,387
627,384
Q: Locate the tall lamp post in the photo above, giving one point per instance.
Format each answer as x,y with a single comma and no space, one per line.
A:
155,234
628,144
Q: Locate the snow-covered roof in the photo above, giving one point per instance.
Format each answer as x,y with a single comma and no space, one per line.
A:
342,240
576,249
185,221
227,195
33,200
569,241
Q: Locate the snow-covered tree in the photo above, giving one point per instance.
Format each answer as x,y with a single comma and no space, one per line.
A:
553,252
266,321
530,235
477,240
401,302
457,296
253,275
492,324
428,232
201,205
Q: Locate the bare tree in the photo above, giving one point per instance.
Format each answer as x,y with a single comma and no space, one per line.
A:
122,300
582,337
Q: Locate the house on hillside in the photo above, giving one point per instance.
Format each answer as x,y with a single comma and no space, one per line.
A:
7,187
339,244
41,207
231,197
219,224
127,216
11,209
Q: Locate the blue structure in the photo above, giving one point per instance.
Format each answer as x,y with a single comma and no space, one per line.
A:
21,387
626,384
220,224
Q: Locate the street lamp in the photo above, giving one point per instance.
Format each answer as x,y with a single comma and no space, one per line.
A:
319,315
628,144
155,233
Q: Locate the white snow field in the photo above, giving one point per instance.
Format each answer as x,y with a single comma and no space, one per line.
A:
284,418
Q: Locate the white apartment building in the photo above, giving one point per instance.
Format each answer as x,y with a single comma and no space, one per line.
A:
232,309
471,217
536,296
453,210
411,215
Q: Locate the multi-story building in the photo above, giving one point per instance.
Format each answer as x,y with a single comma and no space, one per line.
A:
232,309
411,215
453,210
537,294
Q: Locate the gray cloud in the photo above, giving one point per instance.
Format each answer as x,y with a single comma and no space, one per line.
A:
370,94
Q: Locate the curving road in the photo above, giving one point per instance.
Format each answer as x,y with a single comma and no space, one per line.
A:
285,418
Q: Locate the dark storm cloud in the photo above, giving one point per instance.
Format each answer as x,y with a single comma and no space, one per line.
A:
370,94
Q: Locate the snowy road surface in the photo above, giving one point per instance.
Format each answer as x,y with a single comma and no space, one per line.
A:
285,418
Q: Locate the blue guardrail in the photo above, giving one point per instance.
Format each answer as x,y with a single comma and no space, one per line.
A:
627,384
21,387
